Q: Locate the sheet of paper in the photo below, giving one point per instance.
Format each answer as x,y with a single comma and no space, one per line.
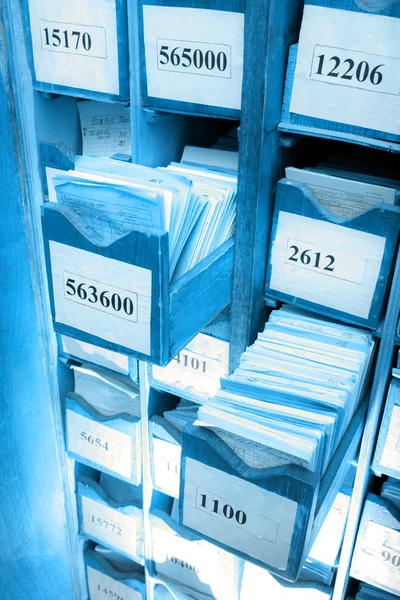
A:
102,277
109,526
326,263
104,587
348,68
76,45
100,444
391,451
106,128
194,55
344,197
224,159
238,513
99,356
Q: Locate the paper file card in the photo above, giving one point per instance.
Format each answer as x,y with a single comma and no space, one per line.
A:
75,44
344,197
194,55
106,128
338,78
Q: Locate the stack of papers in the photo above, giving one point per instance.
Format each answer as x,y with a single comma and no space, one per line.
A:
368,592
296,389
195,205
343,184
109,394
118,561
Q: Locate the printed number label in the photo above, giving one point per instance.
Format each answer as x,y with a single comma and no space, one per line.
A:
197,58
102,586
191,362
105,525
108,592
71,38
355,69
394,559
94,441
181,563
325,261
112,300
224,511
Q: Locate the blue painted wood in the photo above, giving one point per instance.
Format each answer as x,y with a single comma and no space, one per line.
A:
123,63
295,123
124,423
270,27
133,580
178,312
313,494
384,220
393,399
200,295
88,488
289,481
56,156
175,106
37,549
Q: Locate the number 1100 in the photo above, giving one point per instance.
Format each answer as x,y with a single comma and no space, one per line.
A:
227,510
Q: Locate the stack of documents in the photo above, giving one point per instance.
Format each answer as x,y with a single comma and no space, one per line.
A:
296,388
343,187
109,394
368,592
196,205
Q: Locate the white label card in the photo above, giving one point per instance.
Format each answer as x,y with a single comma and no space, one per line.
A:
104,587
194,55
379,558
75,44
100,444
192,563
338,78
243,516
110,526
391,450
102,296
326,263
166,466
199,366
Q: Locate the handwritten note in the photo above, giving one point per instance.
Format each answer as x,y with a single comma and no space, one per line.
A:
106,128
